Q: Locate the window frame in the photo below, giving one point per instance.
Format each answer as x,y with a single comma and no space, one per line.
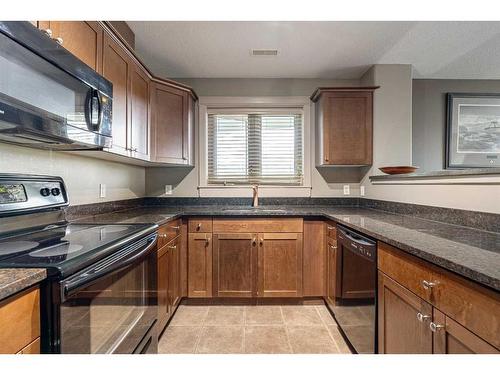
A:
257,105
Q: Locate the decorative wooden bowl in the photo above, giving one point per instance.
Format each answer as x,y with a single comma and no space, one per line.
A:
402,169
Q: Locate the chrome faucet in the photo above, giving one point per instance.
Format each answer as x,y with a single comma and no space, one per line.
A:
255,189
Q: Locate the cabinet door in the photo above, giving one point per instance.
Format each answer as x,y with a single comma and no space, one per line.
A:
453,338
173,274
116,68
347,128
332,278
400,331
163,278
170,124
280,265
82,38
200,265
234,265
139,116
314,267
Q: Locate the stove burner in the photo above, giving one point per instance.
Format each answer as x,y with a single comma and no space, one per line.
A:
16,246
60,249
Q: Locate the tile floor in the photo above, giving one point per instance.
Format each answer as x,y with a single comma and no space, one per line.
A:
252,329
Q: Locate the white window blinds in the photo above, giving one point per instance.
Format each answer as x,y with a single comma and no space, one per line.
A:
255,149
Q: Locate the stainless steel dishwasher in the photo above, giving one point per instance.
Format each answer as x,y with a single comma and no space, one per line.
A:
355,307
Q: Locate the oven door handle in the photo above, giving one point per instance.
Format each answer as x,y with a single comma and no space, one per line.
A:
106,266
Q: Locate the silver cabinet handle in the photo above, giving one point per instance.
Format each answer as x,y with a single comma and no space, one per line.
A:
330,228
198,227
172,247
254,241
261,241
48,32
422,318
162,235
428,284
333,247
176,227
59,40
207,241
435,327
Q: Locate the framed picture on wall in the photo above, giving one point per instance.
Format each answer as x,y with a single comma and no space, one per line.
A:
473,131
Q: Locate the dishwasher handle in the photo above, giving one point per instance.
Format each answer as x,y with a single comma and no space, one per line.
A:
356,238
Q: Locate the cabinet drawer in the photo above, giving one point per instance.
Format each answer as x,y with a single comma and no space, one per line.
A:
20,321
405,269
168,231
200,225
236,225
331,230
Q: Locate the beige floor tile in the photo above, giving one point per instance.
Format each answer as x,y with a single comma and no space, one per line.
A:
225,316
311,340
301,315
189,316
263,315
221,340
266,340
326,316
339,339
180,339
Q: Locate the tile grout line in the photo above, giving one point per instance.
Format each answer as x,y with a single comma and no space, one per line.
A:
328,330
202,327
286,331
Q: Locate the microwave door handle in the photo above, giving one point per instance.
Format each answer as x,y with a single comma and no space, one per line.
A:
102,268
93,97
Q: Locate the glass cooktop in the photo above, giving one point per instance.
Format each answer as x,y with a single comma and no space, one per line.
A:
62,248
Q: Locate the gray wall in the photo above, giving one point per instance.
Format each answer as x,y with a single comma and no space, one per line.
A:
429,116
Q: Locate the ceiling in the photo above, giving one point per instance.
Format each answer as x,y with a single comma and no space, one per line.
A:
341,50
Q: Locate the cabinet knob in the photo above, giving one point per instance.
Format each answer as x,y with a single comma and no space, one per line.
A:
422,318
198,227
207,241
254,241
172,247
59,40
47,32
333,247
435,327
427,285
162,235
261,241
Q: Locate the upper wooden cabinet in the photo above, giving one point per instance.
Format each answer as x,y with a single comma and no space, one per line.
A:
172,124
344,126
139,117
82,38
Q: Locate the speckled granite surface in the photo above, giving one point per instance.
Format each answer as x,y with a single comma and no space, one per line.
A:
13,280
469,252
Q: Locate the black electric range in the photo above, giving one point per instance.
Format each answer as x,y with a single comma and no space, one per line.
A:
100,292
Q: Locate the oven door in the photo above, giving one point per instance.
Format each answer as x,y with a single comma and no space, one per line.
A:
111,307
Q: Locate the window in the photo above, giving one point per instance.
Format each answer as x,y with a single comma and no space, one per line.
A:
255,148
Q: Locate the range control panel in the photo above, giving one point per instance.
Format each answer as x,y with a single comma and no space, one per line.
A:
25,193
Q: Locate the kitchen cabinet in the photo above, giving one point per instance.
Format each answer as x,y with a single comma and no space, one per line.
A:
332,272
280,265
168,279
20,322
399,328
422,299
200,265
116,68
139,116
314,258
84,39
344,126
172,124
234,264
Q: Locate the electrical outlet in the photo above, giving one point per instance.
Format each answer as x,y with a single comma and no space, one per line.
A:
102,190
347,190
168,189
362,191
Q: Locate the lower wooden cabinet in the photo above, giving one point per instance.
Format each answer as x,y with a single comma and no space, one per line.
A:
20,323
332,271
280,265
399,327
234,265
168,280
425,309
200,265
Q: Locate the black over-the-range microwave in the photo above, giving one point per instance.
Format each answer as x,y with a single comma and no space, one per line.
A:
48,97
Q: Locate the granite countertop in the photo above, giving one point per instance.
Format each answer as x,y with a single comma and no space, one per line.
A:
13,280
472,253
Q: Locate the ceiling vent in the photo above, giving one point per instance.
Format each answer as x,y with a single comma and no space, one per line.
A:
264,52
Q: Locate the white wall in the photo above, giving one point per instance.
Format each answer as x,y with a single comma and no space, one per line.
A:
392,145
82,175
